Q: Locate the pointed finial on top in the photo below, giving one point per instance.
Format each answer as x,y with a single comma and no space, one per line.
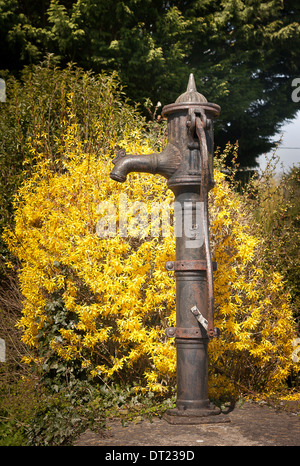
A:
191,87
191,95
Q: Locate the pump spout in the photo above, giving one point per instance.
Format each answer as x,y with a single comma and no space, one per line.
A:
165,163
125,164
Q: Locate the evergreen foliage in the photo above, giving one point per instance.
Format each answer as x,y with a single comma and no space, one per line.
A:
244,53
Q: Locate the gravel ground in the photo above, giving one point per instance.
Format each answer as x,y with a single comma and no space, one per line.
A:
251,424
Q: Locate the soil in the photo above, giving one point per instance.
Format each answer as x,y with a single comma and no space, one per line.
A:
250,424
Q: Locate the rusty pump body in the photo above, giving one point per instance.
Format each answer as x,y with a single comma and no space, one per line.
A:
187,164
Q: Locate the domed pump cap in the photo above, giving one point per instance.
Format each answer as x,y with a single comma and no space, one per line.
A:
191,95
191,99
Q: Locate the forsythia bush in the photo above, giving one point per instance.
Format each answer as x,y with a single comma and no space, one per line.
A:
253,309
104,301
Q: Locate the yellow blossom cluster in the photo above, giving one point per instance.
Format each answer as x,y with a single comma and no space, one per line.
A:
118,298
252,308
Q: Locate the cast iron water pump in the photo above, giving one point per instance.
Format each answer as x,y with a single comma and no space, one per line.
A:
187,163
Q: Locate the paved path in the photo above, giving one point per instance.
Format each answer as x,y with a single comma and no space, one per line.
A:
250,425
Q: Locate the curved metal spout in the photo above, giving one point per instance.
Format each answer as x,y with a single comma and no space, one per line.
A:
125,164
165,163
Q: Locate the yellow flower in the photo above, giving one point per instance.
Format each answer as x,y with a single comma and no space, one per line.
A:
117,296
